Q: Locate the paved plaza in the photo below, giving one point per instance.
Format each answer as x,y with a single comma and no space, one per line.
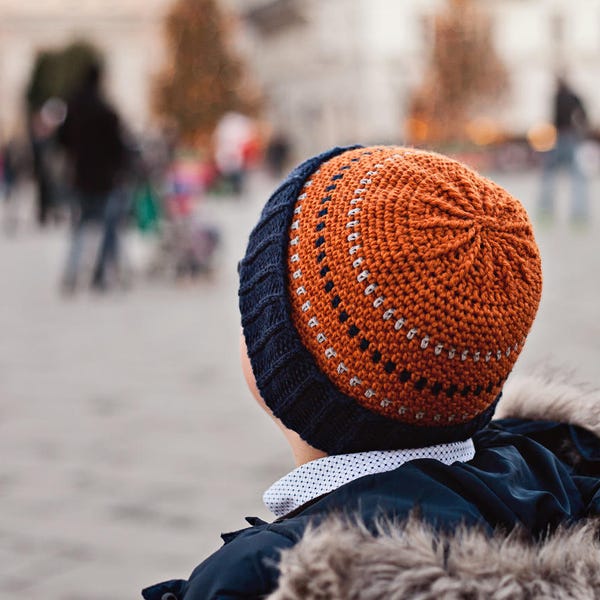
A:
128,439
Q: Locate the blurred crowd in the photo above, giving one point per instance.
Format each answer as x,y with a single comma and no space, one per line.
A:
91,172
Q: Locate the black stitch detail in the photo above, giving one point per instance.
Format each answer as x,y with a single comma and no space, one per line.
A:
420,385
478,390
436,388
331,187
343,316
336,177
323,212
353,331
451,391
345,168
354,159
320,241
367,153
499,382
404,376
364,344
489,388
389,366
321,256
465,391
376,356
335,302
324,271
320,226
329,286
325,199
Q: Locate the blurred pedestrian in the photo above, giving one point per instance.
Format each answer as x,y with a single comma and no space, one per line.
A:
570,122
278,153
93,139
234,136
9,170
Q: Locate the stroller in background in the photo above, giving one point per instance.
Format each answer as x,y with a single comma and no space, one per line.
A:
187,244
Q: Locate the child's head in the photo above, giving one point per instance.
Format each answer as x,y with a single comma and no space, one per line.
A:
385,295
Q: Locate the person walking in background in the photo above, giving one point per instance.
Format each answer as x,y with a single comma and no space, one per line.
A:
8,177
570,121
92,137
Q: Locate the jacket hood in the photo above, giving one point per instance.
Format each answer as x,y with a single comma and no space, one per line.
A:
552,396
343,559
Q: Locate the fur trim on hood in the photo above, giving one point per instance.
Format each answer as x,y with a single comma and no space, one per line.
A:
552,396
340,561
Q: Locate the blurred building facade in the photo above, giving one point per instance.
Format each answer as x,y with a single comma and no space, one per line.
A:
343,70
334,71
127,32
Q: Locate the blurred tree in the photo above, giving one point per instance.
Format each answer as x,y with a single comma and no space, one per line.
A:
57,73
464,76
204,78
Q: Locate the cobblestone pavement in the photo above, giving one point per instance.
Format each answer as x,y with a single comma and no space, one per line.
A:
128,439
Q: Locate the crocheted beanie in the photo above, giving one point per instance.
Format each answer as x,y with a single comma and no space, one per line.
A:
385,295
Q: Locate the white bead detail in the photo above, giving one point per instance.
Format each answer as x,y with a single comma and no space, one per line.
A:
297,274
370,289
294,241
411,334
313,322
353,236
321,338
352,224
354,211
306,306
355,381
301,290
358,262
399,324
378,302
354,249
388,314
369,393
342,368
362,276
295,258
330,353
424,342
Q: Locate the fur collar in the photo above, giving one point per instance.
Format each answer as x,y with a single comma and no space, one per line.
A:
338,561
553,396
344,561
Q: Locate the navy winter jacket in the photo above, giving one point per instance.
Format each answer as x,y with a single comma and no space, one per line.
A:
529,474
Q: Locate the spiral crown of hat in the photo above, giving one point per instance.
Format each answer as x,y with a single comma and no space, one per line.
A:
412,282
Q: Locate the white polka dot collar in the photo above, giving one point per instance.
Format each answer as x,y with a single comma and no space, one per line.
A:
324,475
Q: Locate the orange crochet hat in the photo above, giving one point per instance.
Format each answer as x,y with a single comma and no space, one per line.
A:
411,282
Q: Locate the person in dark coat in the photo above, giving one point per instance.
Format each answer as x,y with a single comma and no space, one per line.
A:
571,124
385,296
93,139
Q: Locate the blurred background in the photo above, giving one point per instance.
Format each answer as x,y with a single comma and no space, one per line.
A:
138,142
